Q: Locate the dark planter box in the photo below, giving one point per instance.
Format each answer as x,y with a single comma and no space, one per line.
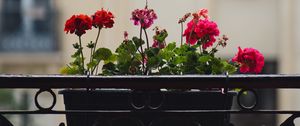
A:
147,107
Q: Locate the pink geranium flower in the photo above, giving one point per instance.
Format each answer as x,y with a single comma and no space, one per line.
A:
250,60
203,30
144,17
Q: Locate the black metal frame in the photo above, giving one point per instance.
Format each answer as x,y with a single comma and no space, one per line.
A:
247,82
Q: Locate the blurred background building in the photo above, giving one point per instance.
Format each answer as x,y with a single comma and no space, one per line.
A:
32,41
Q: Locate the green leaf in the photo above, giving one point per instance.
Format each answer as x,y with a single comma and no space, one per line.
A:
91,45
161,37
179,59
102,54
192,57
153,62
217,66
111,59
167,55
92,64
76,54
128,47
109,69
124,67
205,58
70,70
123,57
138,42
152,52
231,69
171,46
201,70
76,46
181,50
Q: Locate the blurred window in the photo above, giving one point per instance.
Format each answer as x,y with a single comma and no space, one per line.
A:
27,26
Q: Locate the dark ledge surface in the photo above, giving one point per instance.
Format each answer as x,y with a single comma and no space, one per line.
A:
151,82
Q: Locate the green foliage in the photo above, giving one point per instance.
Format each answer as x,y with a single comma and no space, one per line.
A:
161,36
138,42
102,54
129,59
70,70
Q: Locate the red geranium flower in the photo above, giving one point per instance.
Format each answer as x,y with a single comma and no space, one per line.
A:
78,24
250,60
103,18
201,29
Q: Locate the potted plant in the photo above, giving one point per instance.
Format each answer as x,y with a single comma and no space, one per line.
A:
139,56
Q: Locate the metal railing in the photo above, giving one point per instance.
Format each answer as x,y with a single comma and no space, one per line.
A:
45,83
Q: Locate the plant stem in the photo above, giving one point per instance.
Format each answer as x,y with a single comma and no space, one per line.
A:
94,49
181,34
148,47
96,41
142,51
214,48
95,67
91,54
81,53
147,40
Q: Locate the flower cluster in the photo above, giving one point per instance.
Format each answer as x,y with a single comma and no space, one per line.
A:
103,18
145,17
78,24
250,60
201,30
136,56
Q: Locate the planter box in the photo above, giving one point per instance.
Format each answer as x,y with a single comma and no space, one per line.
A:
141,102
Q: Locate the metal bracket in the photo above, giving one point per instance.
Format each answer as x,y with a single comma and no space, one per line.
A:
4,121
290,121
37,104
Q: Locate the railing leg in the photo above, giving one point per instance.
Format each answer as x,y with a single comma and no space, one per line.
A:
4,121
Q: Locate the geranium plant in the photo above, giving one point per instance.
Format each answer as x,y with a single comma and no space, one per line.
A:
142,55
